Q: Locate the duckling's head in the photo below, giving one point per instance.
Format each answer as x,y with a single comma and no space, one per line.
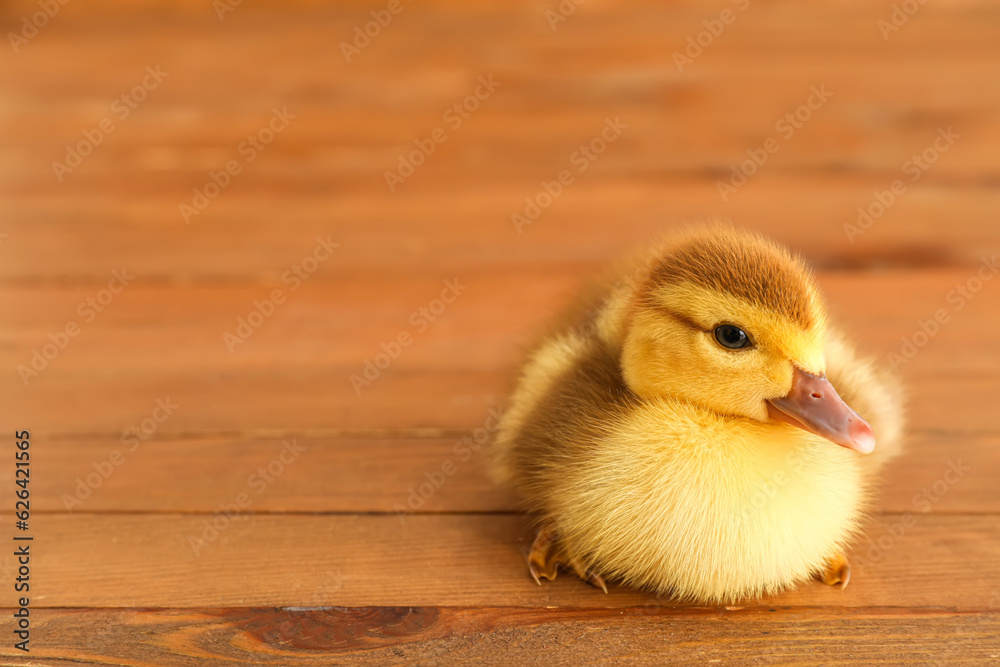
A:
734,323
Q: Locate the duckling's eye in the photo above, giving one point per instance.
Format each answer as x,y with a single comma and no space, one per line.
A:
731,337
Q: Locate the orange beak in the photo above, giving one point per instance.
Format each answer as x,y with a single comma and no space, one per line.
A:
814,405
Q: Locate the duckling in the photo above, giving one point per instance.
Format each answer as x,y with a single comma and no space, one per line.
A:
694,427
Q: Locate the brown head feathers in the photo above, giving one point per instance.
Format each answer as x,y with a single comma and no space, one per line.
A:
740,263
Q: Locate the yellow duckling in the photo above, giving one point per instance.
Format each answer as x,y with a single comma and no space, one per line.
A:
687,429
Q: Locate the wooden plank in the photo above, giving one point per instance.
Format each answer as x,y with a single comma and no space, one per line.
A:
144,560
266,404
460,230
329,168
158,342
630,33
504,636
385,475
332,475
492,316
362,142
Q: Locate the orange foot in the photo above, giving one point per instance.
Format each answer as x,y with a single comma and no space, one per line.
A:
547,554
836,571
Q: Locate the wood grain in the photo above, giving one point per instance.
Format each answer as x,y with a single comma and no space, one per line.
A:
150,560
406,233
338,322
328,168
295,372
951,474
501,636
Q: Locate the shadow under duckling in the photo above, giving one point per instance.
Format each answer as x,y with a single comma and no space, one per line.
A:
687,429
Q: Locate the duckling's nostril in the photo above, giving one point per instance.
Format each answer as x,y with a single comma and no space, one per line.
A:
817,395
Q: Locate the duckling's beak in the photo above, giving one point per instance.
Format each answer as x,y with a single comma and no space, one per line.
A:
814,405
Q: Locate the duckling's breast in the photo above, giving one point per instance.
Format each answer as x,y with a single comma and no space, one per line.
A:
707,508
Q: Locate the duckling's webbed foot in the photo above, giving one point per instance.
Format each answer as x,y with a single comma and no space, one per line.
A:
543,561
547,554
836,571
592,578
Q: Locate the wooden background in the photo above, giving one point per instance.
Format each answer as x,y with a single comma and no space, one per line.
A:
320,567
